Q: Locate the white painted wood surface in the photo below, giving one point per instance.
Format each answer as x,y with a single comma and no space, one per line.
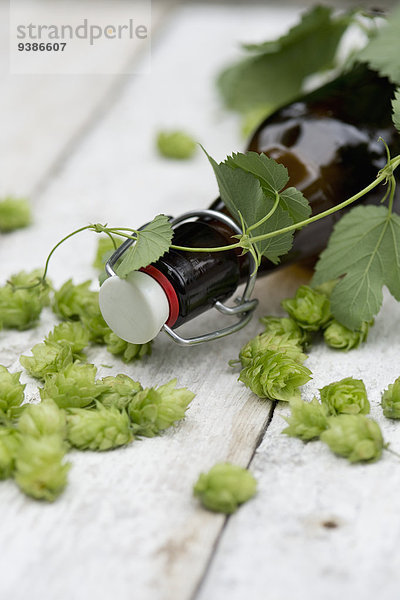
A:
127,526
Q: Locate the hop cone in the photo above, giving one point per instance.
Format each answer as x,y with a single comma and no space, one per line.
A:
99,429
309,308
153,410
275,376
355,437
391,400
74,387
347,396
224,487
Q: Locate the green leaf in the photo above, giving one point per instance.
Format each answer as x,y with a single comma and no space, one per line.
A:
243,195
396,109
152,242
365,248
382,52
273,177
273,75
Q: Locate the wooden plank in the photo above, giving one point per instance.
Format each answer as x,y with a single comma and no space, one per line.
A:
320,527
127,524
42,116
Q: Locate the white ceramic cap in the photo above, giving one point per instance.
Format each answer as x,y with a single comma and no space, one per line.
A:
135,308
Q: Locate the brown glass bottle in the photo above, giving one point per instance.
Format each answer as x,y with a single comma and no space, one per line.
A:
328,140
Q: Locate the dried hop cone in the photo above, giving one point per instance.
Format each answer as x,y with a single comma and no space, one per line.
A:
39,468
73,387
356,437
153,410
264,342
285,326
309,308
224,487
307,420
347,396
339,337
391,400
42,419
275,376
99,429
119,391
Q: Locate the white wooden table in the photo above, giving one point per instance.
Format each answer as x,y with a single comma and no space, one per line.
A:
127,526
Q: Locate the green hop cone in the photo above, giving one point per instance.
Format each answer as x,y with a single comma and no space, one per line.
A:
39,468
19,309
43,419
14,214
11,390
339,337
265,342
153,410
73,387
32,278
347,396
176,144
9,444
47,358
128,352
96,326
391,400
309,308
355,437
119,391
307,420
285,326
275,376
224,487
72,334
99,429
72,302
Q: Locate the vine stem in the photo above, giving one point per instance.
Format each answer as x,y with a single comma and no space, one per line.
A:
46,268
394,163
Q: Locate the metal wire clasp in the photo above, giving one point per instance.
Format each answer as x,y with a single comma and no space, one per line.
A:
243,308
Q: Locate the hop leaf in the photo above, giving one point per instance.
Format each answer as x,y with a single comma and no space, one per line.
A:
275,376
176,144
391,400
119,391
39,468
307,420
285,326
347,396
9,444
265,342
11,392
153,410
46,358
339,337
309,308
43,419
224,487
152,242
72,302
355,437
128,351
73,387
99,429
364,248
72,334
14,214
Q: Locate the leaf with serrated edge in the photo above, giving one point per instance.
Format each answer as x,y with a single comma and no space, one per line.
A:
273,74
382,52
365,248
272,177
396,109
153,241
242,192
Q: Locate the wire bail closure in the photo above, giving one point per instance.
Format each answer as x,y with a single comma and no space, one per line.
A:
244,306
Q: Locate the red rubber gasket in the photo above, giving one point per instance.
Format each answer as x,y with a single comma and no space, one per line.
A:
169,291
